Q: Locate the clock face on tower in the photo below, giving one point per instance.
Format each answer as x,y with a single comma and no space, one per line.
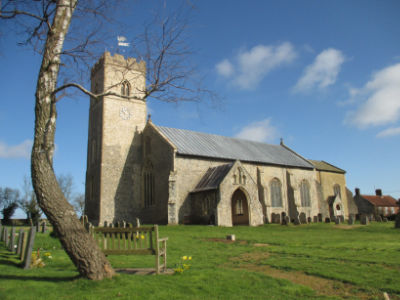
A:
124,113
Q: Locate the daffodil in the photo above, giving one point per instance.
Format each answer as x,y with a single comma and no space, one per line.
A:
184,257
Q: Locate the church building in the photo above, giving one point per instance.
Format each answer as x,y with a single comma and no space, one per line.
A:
162,175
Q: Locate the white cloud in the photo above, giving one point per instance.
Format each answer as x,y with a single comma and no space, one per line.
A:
250,67
22,150
260,131
225,68
389,132
322,72
381,99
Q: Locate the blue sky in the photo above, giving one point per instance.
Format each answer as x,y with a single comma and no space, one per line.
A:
322,75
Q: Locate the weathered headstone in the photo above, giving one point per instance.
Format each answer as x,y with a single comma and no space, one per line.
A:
309,220
12,240
296,220
319,217
350,221
231,237
327,220
303,218
6,240
284,221
105,224
23,245
19,245
364,220
315,219
44,227
29,247
397,221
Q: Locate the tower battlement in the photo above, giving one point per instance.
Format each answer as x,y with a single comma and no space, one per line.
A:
119,60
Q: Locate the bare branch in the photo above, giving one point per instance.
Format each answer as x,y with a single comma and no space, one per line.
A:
89,93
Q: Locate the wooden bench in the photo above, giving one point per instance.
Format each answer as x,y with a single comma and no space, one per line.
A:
132,241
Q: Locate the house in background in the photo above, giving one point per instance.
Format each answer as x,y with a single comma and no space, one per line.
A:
377,204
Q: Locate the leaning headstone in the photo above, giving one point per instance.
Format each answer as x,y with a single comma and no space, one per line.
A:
378,218
19,245
327,220
29,247
350,221
364,220
397,221
315,219
12,240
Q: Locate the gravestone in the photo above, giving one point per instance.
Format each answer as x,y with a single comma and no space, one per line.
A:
20,240
6,236
30,222
337,220
12,240
29,247
342,219
397,221
385,219
296,220
350,221
364,220
37,226
315,219
319,217
327,220
44,227
105,224
303,218
309,220
378,218
23,246
285,220
1,232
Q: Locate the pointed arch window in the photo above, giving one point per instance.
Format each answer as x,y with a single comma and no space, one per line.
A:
148,185
125,88
276,193
305,194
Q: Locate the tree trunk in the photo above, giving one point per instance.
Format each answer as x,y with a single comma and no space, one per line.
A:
78,244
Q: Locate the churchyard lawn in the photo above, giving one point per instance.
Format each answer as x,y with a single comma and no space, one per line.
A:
316,261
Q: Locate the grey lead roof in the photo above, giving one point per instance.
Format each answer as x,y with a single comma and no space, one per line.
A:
215,146
212,178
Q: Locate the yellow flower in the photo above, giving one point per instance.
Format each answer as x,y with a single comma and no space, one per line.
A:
184,257
142,237
190,258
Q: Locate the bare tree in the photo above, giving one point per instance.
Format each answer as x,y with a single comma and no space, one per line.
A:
56,30
79,204
28,202
9,199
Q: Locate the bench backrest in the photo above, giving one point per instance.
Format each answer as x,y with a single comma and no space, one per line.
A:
130,240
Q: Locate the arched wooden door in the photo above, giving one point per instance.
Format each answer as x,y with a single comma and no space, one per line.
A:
240,209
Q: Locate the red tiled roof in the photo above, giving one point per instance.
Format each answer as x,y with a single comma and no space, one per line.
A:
381,200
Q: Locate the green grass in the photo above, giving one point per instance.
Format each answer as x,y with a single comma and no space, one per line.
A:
367,258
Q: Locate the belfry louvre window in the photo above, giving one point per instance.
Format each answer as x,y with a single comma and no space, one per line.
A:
125,88
148,189
305,194
276,193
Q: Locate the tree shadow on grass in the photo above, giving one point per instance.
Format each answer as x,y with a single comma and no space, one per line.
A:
38,278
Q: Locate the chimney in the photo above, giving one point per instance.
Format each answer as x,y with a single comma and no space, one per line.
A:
378,192
357,192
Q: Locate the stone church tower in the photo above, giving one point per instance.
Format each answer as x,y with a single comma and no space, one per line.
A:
113,176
